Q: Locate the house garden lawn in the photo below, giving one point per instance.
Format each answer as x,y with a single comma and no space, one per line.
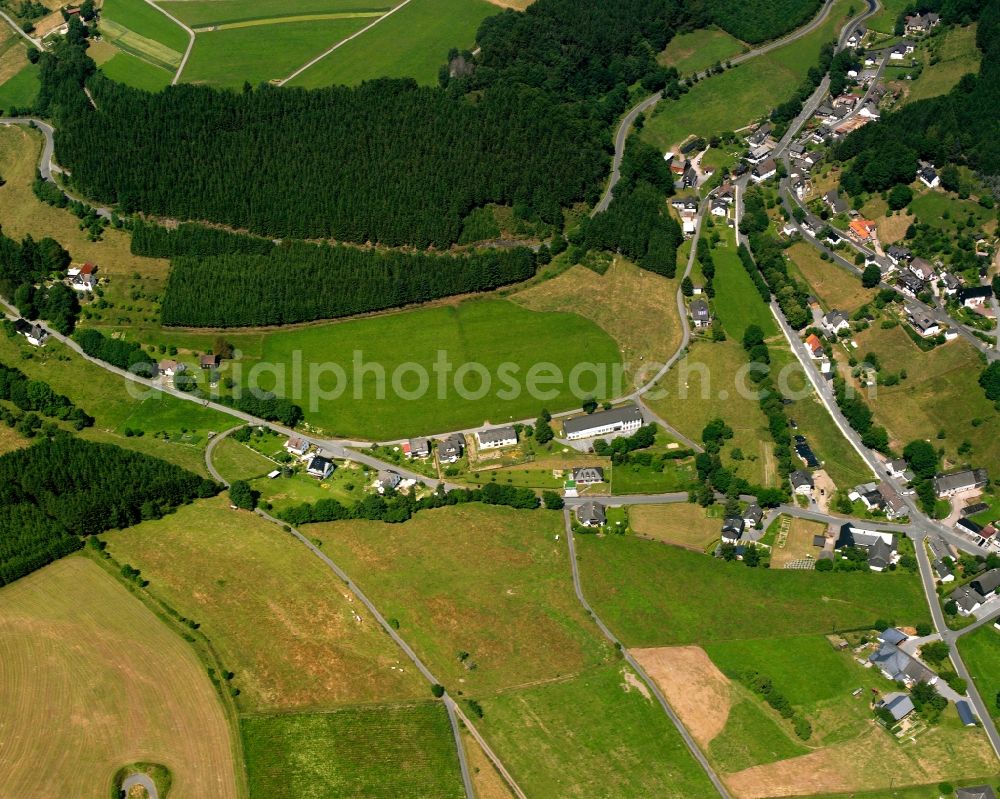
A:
655,595
638,309
702,387
990,514
201,13
487,332
236,461
274,614
373,751
738,96
681,523
940,393
413,42
347,484
943,210
232,56
692,52
835,287
147,21
600,727
133,71
93,680
489,581
980,650
633,478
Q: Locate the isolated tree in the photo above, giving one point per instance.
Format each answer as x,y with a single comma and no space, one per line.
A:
990,381
900,196
871,276
543,430
687,286
242,495
922,457
552,500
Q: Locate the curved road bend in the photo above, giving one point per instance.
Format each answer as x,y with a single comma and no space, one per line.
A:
454,712
685,735
191,37
621,134
140,779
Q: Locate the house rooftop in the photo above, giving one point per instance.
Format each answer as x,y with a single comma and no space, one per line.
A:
622,415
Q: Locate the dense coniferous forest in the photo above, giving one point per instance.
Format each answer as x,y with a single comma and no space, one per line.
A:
386,161
156,241
59,489
300,282
961,127
756,21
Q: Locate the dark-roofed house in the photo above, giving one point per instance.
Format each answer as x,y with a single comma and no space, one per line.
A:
880,556
753,515
802,482
947,485
972,296
897,254
450,450
928,176
975,792
898,704
806,455
880,545
417,448
923,269
588,475
626,419
909,284
591,514
891,635
837,203
987,583
968,526
967,598
835,321
925,324
943,571
700,315
965,713
898,666
892,502
732,529
386,481
32,331
764,170
319,467
496,438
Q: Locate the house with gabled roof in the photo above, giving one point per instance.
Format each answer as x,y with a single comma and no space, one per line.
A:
814,345
591,514
835,321
496,437
947,485
320,467
898,666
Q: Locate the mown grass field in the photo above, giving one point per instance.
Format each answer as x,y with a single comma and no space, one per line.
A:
957,55
412,43
21,89
91,680
737,302
11,440
738,96
599,728
256,54
692,52
632,478
203,13
147,21
656,595
680,523
236,461
943,210
833,286
703,387
376,751
638,309
980,650
940,393
752,735
490,581
885,20
489,333
133,71
276,616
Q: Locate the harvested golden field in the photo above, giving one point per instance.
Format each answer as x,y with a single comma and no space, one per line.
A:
282,621
638,309
91,680
797,544
679,523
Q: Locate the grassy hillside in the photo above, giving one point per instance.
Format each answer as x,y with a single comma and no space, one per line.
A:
147,21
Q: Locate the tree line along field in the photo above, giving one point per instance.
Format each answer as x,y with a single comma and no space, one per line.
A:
92,680
738,96
484,595
411,43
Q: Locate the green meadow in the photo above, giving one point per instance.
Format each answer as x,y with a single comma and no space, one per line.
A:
375,751
474,337
260,53
20,90
699,49
142,18
652,594
737,302
202,13
413,43
738,96
133,71
980,650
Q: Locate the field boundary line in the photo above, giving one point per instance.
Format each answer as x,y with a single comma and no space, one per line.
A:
342,42
268,21
191,38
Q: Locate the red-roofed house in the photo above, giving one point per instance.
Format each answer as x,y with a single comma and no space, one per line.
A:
814,345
